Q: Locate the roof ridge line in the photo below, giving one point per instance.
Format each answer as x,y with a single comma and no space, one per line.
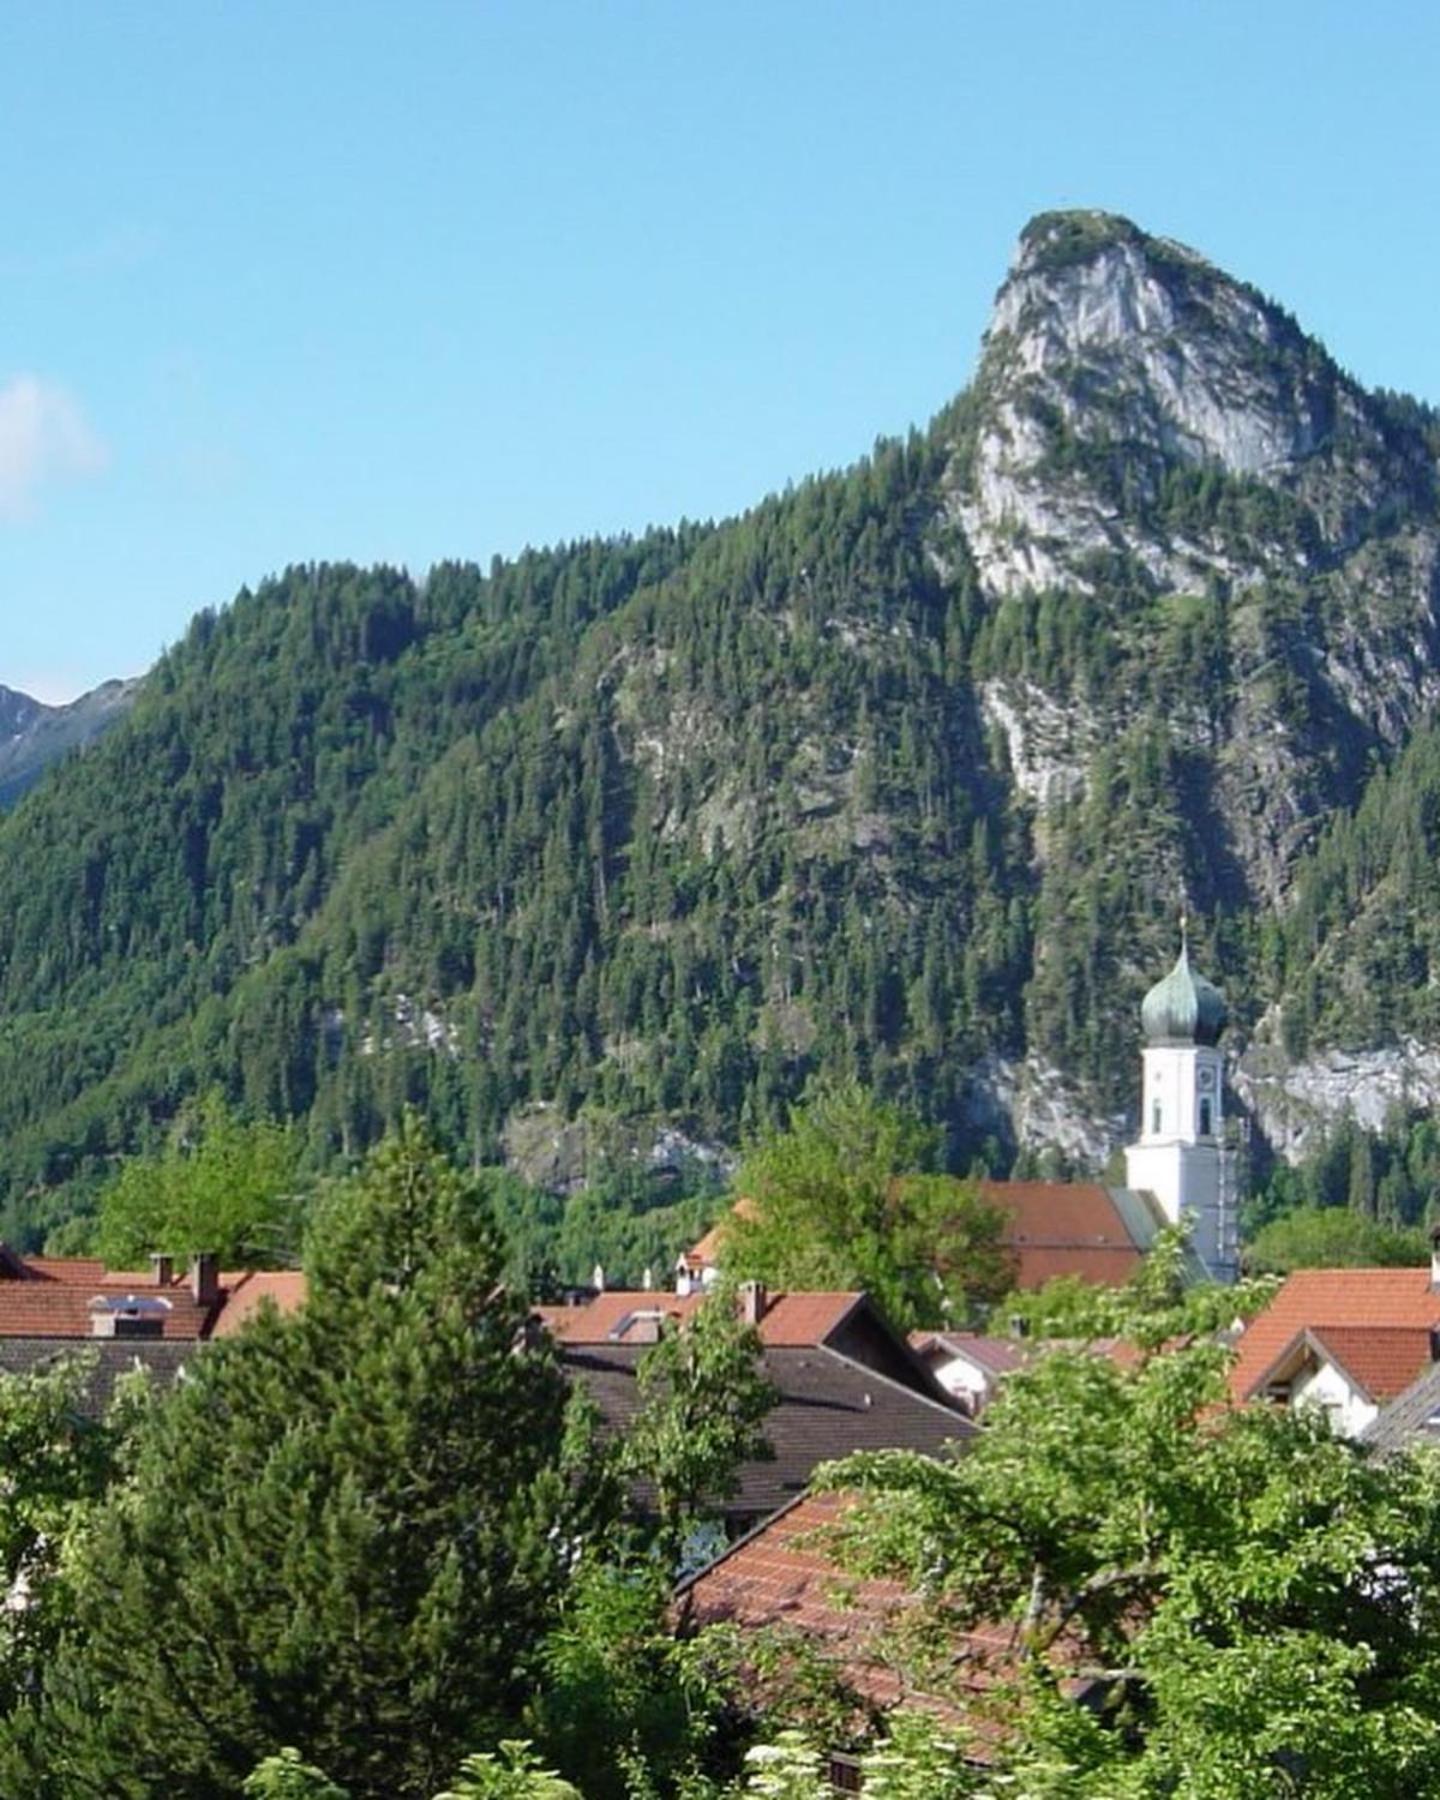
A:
772,1518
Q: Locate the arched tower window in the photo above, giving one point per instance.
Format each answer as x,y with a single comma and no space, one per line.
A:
1205,1126
1155,1118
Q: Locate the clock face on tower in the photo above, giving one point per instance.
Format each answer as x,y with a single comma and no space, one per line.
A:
1206,1079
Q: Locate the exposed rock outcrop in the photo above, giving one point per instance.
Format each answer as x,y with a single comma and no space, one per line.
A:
1147,429
1293,1105
32,736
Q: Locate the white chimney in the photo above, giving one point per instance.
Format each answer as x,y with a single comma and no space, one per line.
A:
753,1301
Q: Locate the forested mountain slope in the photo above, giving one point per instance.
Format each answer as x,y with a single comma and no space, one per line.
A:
905,773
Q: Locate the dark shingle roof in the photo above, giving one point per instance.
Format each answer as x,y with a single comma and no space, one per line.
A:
107,1359
1412,1418
828,1407
612,1317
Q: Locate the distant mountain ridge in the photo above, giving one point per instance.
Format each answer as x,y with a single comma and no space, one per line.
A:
32,735
904,774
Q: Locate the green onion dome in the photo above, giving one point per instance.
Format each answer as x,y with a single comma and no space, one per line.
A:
1184,1008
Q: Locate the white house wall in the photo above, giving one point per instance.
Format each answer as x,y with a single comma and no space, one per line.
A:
1348,1409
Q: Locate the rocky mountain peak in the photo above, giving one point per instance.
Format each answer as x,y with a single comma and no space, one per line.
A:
18,712
1113,358
1159,456
32,735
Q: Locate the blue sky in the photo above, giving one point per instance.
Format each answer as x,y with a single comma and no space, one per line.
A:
402,282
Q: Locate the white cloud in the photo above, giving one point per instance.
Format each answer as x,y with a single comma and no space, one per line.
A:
44,437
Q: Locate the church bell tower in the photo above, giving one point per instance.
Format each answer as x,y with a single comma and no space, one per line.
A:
1181,1156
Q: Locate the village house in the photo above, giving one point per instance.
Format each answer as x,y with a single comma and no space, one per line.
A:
969,1365
844,1380
1351,1341
150,1319
78,1297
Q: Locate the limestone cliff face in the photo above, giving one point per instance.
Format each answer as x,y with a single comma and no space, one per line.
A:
1147,431
1123,343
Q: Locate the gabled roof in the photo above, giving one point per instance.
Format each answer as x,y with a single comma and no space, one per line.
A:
1054,1228
1073,1228
829,1406
1378,1361
793,1320
1333,1298
63,1309
1412,1418
55,1297
995,1355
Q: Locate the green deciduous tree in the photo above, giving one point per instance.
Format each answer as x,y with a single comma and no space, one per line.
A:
704,1400
513,1772
1251,1602
846,1197
287,1776
785,1768
917,1759
1334,1238
620,1691
219,1184
1161,1300
57,1460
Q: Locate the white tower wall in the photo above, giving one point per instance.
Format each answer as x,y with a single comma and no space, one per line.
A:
1181,1156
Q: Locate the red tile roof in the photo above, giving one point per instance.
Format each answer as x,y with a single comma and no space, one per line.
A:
1064,1228
1054,1228
1327,1301
52,1297
247,1290
1380,1361
69,1268
780,1575
772,1577
794,1321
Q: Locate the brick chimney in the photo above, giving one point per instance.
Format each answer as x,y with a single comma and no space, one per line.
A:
162,1268
205,1277
754,1302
